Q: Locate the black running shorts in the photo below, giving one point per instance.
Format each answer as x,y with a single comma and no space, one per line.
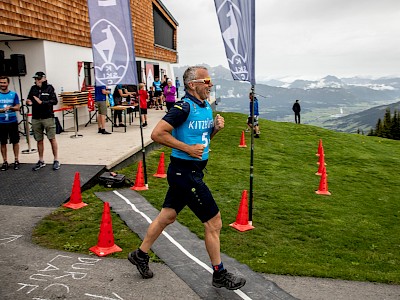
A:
186,187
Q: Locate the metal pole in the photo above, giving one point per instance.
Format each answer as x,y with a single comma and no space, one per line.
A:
251,159
25,119
143,148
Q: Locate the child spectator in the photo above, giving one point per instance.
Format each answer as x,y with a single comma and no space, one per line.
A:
143,96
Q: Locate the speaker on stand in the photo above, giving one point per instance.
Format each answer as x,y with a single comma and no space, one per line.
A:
18,68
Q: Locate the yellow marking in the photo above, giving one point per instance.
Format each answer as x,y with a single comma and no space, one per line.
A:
177,106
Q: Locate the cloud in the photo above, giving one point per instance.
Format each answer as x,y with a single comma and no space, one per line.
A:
300,38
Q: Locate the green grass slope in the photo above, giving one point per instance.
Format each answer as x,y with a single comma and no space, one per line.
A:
352,234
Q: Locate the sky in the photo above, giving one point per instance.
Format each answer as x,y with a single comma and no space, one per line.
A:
300,39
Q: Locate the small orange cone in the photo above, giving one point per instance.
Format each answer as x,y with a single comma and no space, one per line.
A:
320,148
242,218
139,182
242,141
75,200
161,168
105,244
321,159
323,184
321,167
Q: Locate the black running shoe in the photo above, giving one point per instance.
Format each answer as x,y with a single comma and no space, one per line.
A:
4,166
142,264
39,165
16,165
56,165
227,280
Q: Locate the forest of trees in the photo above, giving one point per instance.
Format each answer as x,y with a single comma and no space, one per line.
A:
388,128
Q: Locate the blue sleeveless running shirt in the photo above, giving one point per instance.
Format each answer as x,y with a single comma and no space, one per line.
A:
7,99
196,129
157,85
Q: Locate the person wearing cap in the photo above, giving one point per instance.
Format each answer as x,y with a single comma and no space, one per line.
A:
42,97
169,94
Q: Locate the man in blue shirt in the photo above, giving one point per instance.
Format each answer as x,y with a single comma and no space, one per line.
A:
256,115
188,128
157,92
9,105
177,85
100,96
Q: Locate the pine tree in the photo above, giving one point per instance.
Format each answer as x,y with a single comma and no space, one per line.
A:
395,127
378,128
387,124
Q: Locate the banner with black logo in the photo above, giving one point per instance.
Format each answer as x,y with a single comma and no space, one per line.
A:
112,42
237,22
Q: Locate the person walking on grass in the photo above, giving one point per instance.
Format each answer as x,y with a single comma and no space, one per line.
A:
42,97
9,105
256,130
188,128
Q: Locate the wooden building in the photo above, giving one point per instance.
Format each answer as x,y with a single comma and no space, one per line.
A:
53,36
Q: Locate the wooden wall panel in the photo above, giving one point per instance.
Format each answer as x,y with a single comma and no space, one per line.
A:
67,22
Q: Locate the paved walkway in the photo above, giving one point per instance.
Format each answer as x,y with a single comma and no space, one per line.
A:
30,272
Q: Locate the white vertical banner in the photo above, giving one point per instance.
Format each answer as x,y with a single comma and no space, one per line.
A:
237,22
112,42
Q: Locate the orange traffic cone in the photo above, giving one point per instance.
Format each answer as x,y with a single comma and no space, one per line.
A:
320,148
75,200
321,159
161,168
321,167
242,218
105,244
242,141
139,182
323,184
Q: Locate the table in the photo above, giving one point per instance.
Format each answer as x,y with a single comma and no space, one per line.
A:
123,108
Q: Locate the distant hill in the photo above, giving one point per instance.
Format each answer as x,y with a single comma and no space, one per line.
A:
364,120
320,99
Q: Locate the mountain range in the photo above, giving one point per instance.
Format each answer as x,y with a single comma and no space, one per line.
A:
342,104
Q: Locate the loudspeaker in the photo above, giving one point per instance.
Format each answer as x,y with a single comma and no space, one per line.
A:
1,63
18,65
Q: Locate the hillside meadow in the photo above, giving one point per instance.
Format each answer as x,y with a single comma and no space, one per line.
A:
352,234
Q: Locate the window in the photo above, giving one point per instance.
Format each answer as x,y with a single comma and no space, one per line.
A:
163,31
88,71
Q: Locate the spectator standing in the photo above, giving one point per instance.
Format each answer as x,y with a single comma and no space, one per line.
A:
296,108
9,105
143,97
157,92
169,94
256,130
101,93
163,85
177,85
119,94
151,97
190,149
42,97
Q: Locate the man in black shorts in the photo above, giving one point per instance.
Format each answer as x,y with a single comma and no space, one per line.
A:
157,92
9,105
188,128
